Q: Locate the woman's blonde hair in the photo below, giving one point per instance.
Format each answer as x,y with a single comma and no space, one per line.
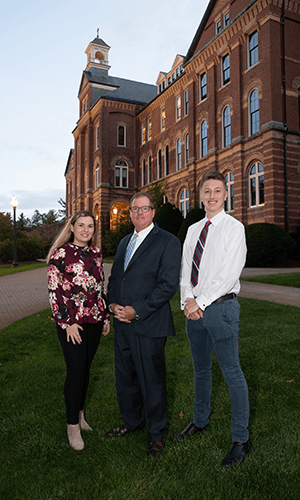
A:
66,235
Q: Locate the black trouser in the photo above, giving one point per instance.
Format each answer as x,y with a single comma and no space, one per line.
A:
141,382
78,358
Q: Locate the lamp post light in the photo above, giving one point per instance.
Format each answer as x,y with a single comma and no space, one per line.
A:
14,203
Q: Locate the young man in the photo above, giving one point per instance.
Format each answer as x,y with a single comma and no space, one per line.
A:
144,277
214,255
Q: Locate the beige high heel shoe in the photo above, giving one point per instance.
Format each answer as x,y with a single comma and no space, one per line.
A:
74,436
83,423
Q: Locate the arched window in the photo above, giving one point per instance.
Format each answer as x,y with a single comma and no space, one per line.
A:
226,69
226,127
167,160
203,139
184,202
229,203
159,165
121,135
121,174
149,168
256,185
187,149
254,112
143,173
178,150
97,176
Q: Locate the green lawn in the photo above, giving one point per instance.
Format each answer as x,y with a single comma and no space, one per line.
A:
38,464
8,269
289,279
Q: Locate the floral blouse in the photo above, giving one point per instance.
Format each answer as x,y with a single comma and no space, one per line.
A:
76,285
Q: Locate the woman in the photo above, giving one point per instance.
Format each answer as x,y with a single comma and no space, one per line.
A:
77,298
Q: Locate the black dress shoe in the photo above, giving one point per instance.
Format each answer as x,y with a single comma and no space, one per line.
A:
237,453
156,448
117,432
190,429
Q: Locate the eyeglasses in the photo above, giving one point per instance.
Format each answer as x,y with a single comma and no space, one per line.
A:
144,209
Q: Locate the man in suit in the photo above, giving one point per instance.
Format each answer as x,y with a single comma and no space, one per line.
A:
144,277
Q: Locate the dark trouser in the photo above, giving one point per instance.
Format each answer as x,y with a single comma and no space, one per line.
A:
141,382
78,358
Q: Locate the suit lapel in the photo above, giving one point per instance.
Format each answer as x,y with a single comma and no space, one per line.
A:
151,236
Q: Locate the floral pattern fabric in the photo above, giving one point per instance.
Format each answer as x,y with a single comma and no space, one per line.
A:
76,285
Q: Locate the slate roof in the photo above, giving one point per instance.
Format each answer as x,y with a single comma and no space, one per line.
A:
124,90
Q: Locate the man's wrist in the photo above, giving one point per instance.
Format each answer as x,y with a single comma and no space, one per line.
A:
136,316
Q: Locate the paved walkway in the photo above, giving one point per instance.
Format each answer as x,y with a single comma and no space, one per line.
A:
25,293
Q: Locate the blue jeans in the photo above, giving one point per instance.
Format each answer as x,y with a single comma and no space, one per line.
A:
219,329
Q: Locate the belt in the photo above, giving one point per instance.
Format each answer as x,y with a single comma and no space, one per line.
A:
228,296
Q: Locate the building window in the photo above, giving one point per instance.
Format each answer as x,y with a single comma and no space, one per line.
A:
169,80
203,139
159,165
226,19
178,151
184,202
167,160
143,173
177,72
226,69
218,27
97,176
149,169
254,112
226,127
203,86
256,185
143,133
163,119
178,108
186,102
149,129
121,174
97,137
229,203
187,146
121,135
253,48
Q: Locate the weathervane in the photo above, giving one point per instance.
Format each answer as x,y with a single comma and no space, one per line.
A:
97,32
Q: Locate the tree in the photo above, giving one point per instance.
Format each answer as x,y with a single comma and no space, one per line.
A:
194,215
23,223
157,192
168,217
6,227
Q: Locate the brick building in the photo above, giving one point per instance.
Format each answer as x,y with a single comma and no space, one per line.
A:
232,103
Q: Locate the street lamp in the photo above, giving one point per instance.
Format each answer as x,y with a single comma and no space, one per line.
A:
14,203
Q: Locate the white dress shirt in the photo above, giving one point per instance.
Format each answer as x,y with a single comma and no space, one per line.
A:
141,235
222,260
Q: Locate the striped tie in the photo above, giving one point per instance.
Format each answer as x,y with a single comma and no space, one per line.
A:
198,254
129,250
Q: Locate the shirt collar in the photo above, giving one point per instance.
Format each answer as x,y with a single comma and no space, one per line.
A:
144,232
217,218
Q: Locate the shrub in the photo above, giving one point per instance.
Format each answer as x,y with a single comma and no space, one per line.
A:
6,250
168,217
295,253
268,245
194,215
111,239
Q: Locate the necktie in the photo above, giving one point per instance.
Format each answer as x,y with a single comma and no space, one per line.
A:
198,254
129,250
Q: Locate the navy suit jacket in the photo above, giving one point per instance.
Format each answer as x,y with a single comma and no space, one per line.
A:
149,282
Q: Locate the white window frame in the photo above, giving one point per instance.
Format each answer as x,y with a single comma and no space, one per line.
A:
167,160
203,138
149,169
144,133
143,172
254,124
186,148
184,202
256,177
97,137
97,176
250,65
186,102
178,154
229,203
225,82
122,167
226,127
149,129
159,164
201,87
